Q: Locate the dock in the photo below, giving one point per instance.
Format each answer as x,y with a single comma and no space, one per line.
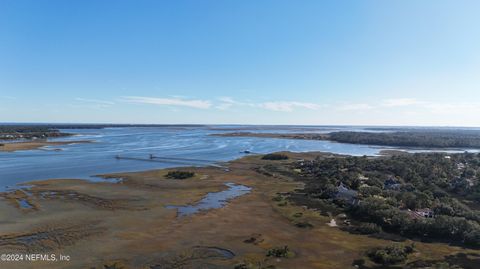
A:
174,160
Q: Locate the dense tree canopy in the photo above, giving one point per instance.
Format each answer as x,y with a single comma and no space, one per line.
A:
429,139
428,195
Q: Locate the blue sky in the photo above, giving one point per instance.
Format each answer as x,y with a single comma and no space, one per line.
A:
247,62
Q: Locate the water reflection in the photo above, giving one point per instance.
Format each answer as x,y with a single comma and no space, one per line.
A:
86,160
212,200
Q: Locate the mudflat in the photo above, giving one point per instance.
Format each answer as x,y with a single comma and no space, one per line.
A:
130,224
29,145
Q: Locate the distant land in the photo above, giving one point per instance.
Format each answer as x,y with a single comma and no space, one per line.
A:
14,132
423,138
420,137
47,130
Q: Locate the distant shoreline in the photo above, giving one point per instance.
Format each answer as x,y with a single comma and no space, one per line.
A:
303,136
420,139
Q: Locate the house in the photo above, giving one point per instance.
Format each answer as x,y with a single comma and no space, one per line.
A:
460,183
362,178
392,184
425,213
344,193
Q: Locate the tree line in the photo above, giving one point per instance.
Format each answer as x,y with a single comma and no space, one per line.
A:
428,139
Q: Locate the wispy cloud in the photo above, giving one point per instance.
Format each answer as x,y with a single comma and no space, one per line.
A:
453,108
412,105
288,106
94,101
283,106
201,104
226,103
360,106
432,106
401,102
394,105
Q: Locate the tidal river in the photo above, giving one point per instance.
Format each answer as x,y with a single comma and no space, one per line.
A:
86,160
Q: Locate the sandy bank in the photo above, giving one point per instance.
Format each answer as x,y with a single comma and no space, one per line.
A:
29,145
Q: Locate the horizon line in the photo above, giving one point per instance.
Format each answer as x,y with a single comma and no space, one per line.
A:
236,124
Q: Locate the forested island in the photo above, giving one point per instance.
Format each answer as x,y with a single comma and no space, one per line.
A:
428,138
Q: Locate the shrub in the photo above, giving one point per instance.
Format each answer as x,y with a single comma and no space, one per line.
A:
179,174
298,215
277,198
368,228
304,224
280,252
275,157
392,254
256,265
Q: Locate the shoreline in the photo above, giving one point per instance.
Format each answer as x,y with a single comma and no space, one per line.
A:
38,144
119,176
300,136
328,137
123,177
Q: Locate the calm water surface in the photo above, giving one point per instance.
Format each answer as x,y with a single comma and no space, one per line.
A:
212,200
86,160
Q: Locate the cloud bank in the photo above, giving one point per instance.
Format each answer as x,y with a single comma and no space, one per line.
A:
398,106
201,104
